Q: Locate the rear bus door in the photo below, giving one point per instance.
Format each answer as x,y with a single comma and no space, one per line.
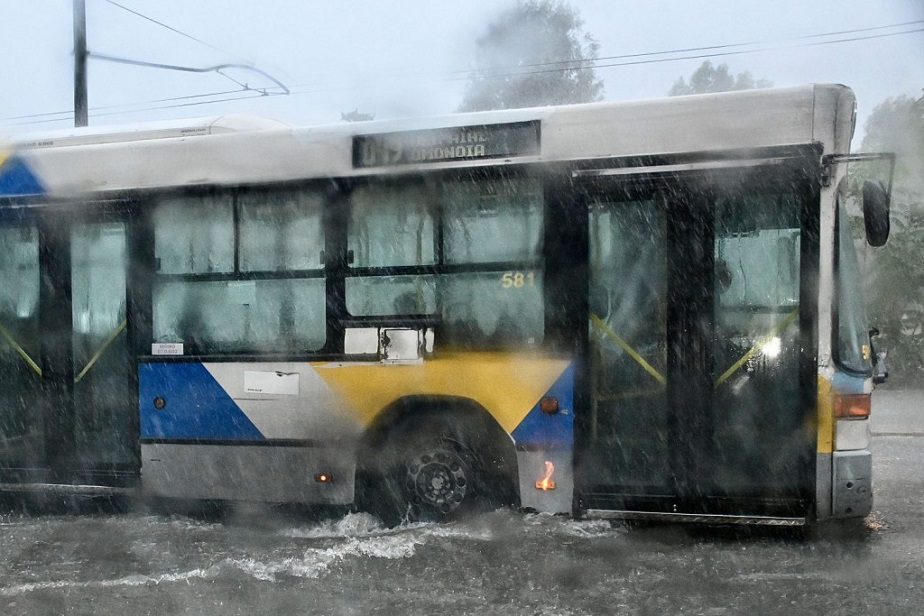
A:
67,405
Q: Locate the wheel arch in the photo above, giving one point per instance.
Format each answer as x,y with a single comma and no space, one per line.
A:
466,418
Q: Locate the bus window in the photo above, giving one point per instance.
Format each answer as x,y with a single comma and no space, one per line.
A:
281,231
194,235
391,295
242,311
19,253
494,227
759,428
391,226
21,428
629,444
756,262
853,347
492,221
493,309
485,281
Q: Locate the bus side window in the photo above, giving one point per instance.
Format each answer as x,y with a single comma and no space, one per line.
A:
391,226
493,227
243,308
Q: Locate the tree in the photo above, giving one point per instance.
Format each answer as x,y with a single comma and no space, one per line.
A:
894,276
536,53
708,79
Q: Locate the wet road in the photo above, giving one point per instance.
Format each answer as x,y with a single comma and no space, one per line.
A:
261,561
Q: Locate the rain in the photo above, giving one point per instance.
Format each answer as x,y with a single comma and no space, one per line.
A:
532,307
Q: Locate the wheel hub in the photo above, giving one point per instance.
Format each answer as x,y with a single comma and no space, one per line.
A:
437,479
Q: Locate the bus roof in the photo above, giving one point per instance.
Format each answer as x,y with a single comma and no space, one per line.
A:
214,152
213,125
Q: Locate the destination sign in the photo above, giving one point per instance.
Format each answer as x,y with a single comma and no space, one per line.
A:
446,144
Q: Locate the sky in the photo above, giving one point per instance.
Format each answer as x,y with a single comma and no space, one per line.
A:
411,58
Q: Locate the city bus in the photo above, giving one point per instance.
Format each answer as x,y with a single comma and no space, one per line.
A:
618,310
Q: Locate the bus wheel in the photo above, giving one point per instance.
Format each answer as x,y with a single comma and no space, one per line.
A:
438,480
424,473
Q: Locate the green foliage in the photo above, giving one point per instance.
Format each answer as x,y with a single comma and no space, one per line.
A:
894,276
895,294
534,54
708,79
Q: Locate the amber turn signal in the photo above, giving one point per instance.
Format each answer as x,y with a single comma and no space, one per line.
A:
549,405
854,406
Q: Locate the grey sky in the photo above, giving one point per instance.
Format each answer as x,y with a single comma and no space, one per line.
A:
409,58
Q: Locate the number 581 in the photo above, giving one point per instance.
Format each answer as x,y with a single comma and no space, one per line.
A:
518,280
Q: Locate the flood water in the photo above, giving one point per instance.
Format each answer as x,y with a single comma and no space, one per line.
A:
254,559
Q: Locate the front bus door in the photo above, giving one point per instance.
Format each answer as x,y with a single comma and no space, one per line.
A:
67,411
701,357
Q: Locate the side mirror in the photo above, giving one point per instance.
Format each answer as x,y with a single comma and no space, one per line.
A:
876,212
880,370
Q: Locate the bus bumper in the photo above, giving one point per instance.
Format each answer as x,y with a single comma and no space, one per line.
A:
852,483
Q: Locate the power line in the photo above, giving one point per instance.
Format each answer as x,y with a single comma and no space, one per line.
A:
123,108
244,95
171,28
582,64
633,59
732,45
220,100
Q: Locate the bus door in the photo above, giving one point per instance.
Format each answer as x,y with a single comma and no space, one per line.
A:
68,397
701,356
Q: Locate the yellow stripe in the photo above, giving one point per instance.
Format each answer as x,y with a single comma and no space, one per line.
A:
757,347
22,352
825,416
102,349
599,324
508,385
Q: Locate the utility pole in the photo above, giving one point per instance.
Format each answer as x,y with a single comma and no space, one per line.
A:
81,114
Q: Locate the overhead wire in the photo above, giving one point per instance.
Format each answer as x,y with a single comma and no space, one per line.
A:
185,35
69,113
733,45
172,29
219,69
673,55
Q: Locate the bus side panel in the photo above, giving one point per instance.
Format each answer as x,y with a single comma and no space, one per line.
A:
509,386
268,431
545,451
232,471
248,431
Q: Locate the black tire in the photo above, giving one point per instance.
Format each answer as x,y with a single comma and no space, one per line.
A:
428,472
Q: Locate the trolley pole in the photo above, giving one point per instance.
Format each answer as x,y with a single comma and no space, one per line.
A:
81,115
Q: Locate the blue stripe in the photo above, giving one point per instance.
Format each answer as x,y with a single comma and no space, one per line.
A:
197,406
16,180
551,431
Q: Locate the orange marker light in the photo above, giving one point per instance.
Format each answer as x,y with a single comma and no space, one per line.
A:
546,483
549,405
322,478
856,406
